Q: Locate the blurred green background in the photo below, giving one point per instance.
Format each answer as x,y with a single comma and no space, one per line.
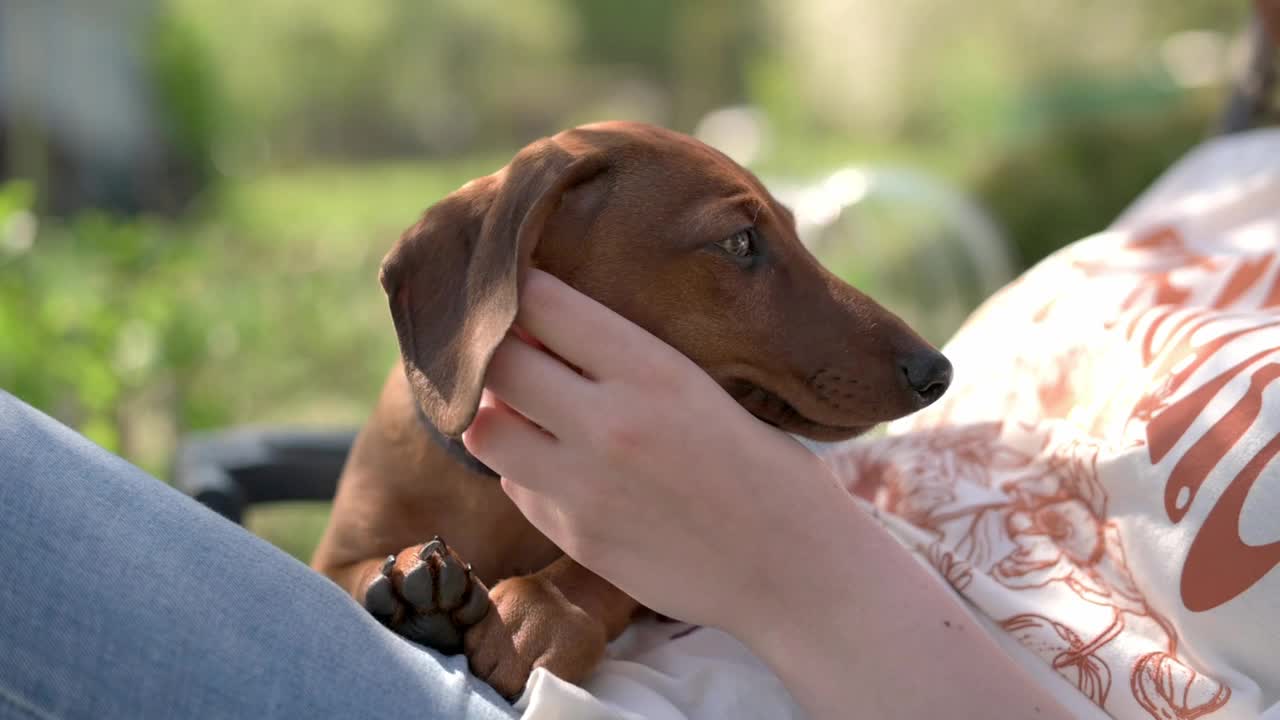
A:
195,195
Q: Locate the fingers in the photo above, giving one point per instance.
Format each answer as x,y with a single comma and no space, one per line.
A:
508,443
532,504
582,331
524,457
538,386
543,512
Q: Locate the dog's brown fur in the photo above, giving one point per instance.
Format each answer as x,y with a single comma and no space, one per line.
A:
630,215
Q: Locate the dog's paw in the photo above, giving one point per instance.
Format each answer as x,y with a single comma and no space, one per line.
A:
533,625
428,595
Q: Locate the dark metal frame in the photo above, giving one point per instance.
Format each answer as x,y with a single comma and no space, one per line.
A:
229,471
1253,96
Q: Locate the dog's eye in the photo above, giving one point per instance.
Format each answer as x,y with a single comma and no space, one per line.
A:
741,244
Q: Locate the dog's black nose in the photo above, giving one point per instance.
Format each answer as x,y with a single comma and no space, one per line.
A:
928,375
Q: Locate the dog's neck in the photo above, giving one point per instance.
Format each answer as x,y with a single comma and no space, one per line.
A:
453,446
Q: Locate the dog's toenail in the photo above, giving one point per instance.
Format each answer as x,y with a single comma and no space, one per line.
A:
435,546
453,582
388,565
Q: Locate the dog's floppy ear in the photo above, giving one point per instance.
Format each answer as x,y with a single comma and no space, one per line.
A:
452,278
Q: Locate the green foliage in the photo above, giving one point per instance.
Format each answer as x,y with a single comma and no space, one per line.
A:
262,306
1070,181
294,527
308,78
188,100
89,318
16,196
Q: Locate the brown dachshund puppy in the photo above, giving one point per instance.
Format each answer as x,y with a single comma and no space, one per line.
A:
668,233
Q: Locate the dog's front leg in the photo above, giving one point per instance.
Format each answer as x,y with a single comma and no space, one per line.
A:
559,618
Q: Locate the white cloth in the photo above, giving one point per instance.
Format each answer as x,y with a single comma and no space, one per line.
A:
1100,484
666,671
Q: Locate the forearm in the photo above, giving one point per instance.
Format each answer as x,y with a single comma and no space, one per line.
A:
858,623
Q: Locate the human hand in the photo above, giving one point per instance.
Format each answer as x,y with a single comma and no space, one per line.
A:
642,469
645,470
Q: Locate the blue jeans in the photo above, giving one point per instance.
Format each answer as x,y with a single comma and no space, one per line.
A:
122,598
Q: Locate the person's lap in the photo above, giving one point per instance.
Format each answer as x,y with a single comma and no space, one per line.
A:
121,597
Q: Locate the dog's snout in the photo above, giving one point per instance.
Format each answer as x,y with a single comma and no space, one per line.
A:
927,374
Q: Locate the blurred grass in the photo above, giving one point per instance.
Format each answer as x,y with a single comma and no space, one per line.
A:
350,206
294,527
260,305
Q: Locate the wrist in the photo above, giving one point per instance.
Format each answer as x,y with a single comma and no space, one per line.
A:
800,559
848,615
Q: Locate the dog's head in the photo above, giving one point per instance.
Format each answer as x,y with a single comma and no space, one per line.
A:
675,237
